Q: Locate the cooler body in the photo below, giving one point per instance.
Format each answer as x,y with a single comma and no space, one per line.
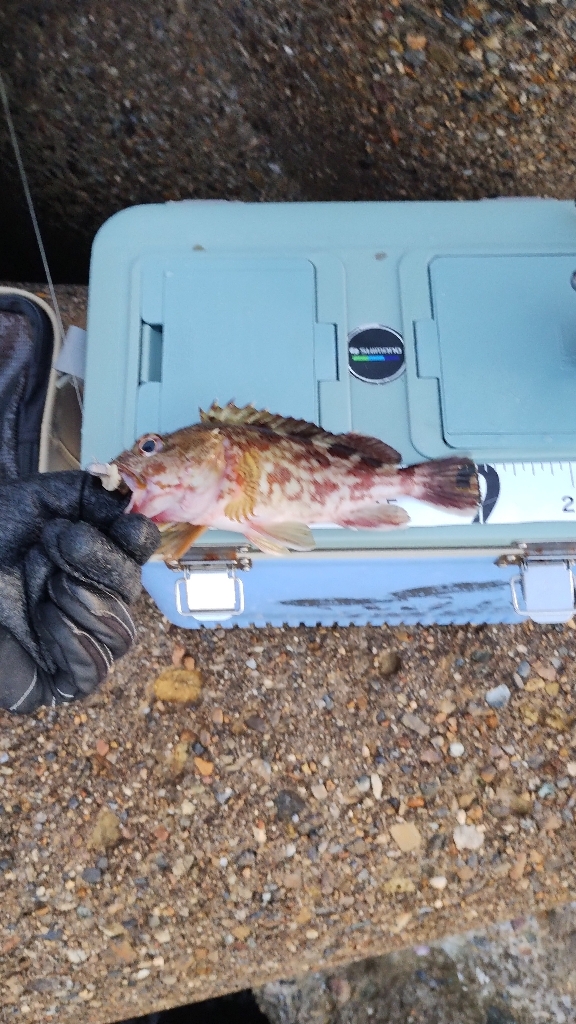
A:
442,328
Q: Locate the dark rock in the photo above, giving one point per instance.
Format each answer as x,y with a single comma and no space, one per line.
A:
92,875
256,724
496,1016
288,803
246,859
481,656
429,789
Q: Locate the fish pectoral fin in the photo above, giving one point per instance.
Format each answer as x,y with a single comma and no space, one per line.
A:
247,472
279,538
376,517
176,538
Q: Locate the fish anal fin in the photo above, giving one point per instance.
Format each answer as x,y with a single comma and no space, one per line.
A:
176,539
376,517
280,538
247,472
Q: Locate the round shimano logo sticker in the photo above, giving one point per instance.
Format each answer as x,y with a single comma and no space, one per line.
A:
375,354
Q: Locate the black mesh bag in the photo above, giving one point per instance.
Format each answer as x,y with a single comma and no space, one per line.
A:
26,346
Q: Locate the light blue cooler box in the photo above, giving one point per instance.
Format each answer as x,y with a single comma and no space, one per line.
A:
442,328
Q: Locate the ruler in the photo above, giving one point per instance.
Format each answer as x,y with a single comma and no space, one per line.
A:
512,492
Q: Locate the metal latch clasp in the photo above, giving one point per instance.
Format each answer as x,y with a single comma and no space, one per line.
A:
543,590
210,590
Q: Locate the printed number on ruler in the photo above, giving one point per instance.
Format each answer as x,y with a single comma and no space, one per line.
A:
527,492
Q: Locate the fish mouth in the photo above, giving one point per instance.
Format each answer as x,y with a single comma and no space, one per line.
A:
130,483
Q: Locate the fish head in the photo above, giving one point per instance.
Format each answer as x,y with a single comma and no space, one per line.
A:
173,477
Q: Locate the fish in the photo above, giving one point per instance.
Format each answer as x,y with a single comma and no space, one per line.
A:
269,477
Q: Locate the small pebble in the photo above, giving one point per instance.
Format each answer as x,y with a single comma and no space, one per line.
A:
439,882
320,792
456,749
363,783
416,724
499,696
406,836
287,804
523,669
376,783
223,795
468,837
388,662
251,663
92,875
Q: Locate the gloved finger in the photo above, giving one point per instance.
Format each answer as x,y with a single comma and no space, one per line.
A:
83,661
84,552
99,612
25,686
136,535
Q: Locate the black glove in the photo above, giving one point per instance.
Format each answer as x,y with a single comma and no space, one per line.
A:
69,562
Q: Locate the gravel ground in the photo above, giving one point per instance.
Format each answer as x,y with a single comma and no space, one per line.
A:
318,803
355,99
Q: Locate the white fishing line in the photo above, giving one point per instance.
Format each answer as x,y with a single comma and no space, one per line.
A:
34,219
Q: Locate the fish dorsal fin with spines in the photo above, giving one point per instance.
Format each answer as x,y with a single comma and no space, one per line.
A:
343,445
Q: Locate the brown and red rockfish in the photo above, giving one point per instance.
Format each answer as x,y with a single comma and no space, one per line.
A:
269,477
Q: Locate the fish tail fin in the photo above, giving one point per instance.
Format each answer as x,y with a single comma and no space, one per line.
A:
446,483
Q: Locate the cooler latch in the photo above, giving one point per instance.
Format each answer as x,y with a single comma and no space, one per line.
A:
211,590
543,590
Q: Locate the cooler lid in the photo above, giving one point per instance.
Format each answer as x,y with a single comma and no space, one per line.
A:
502,344
230,329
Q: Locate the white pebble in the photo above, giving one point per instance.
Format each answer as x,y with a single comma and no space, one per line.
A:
456,750
571,769
251,663
376,783
290,849
439,882
468,837
498,697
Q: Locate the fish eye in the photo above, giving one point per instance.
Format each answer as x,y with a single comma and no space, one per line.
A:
150,444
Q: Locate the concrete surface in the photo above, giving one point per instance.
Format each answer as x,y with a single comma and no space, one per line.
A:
248,99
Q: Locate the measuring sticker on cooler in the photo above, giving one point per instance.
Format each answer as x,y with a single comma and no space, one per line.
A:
375,354
511,492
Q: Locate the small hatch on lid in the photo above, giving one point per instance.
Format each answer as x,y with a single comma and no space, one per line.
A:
242,330
502,343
